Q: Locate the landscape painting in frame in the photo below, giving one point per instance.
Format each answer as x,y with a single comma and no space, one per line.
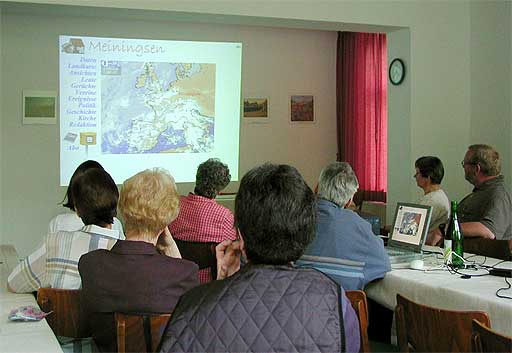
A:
255,108
302,109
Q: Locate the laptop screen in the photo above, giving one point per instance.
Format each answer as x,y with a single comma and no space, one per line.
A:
410,225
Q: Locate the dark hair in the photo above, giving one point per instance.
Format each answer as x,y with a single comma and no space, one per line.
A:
79,170
430,167
95,195
275,213
212,176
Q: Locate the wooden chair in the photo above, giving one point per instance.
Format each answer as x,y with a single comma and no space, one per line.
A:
421,328
203,254
65,319
140,333
486,340
498,249
358,300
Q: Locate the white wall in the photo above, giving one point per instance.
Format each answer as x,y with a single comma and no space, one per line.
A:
491,65
1,143
276,63
400,184
441,83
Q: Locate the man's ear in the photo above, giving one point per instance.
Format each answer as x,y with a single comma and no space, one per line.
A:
478,168
349,202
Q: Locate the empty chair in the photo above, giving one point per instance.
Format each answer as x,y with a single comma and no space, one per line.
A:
202,253
65,318
486,340
140,333
358,300
421,328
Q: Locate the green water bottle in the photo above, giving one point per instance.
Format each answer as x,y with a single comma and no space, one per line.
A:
454,240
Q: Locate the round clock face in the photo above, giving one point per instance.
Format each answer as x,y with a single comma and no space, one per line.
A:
396,71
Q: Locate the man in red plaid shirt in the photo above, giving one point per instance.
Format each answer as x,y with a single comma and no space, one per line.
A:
201,218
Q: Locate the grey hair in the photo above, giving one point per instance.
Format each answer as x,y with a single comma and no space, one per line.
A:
337,183
487,157
212,177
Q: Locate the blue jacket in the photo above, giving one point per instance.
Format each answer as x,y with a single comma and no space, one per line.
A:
345,248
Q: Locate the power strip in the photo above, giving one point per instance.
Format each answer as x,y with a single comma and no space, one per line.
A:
501,272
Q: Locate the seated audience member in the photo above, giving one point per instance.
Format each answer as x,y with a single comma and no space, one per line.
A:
95,196
201,218
136,275
270,305
429,174
69,221
341,234
486,212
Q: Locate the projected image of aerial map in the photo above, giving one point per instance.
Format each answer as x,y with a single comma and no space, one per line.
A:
157,107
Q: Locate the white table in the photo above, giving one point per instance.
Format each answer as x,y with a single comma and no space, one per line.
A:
449,291
20,336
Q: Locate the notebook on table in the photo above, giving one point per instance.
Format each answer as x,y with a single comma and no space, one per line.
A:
409,231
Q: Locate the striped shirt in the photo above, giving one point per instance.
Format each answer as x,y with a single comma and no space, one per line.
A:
55,263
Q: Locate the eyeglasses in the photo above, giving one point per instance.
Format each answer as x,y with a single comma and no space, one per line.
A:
464,163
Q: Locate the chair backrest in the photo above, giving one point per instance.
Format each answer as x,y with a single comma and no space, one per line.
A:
499,249
203,254
421,328
358,300
65,319
140,333
486,340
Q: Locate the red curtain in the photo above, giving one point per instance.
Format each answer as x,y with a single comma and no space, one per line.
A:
361,87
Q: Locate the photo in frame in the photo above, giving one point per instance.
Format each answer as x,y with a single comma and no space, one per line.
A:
302,109
255,108
39,107
411,223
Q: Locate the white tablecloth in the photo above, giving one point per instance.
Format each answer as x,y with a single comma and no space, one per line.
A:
20,336
449,291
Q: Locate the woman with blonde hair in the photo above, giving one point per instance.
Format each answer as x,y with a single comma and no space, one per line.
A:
138,275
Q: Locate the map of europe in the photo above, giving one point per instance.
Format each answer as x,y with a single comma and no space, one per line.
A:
157,107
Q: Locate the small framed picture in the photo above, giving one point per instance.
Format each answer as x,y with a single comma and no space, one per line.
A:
256,109
410,226
39,107
302,109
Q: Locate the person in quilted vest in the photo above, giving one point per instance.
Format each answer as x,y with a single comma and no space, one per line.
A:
268,305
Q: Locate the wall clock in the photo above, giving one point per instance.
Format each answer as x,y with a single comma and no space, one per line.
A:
396,71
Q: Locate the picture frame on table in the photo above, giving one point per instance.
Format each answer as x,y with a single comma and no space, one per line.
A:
411,223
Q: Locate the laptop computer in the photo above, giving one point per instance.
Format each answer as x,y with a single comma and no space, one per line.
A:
410,228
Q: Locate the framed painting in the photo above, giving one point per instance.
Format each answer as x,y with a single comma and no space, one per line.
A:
302,109
39,107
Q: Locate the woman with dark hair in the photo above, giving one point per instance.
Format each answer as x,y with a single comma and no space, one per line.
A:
201,218
429,174
55,263
69,221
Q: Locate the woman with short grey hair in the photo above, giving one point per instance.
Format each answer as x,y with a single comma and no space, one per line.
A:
201,218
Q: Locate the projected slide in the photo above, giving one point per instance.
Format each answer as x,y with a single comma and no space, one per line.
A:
135,104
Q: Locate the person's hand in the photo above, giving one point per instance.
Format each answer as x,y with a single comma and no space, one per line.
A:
228,257
434,238
166,244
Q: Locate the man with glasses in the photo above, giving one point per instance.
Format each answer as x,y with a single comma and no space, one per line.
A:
487,211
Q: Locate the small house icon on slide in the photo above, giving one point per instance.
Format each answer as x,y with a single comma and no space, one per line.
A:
74,46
